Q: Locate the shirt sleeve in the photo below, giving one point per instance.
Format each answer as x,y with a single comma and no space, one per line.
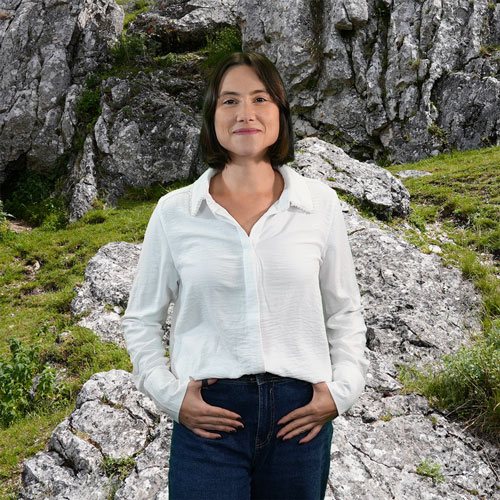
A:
155,287
345,327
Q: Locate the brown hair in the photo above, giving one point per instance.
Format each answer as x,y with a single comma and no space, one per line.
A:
281,151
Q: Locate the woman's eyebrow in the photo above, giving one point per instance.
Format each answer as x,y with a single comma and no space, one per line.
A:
231,92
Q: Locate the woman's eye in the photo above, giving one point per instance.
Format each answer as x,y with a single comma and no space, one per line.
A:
261,99
229,101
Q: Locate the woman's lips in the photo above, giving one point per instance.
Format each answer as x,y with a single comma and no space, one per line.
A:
246,131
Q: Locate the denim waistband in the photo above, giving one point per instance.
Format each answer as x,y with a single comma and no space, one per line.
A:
259,378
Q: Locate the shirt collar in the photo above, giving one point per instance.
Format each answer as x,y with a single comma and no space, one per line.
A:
295,193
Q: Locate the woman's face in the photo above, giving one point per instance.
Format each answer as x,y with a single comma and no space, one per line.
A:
246,118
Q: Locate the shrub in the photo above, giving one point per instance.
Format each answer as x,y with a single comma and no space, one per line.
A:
32,200
25,384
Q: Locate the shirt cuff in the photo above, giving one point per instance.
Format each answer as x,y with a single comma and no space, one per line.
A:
346,388
166,391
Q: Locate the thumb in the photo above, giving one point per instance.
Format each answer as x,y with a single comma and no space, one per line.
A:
211,381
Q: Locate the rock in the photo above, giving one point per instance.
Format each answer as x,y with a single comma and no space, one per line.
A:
400,80
56,45
181,25
143,136
84,172
111,421
366,182
412,174
108,279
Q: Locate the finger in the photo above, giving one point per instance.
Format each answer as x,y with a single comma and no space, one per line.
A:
205,434
296,423
217,427
233,424
312,434
297,431
216,411
297,413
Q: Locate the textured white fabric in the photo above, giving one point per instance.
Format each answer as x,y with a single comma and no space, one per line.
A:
282,300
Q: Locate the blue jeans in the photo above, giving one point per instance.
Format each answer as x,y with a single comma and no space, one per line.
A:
251,464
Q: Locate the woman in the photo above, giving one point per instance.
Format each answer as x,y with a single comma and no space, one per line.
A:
267,337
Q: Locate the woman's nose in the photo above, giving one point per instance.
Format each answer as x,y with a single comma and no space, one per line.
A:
245,112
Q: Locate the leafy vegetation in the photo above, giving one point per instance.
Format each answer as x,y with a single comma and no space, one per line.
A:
25,383
32,199
220,44
431,469
128,47
461,198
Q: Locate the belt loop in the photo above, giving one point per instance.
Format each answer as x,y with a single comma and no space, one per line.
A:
204,383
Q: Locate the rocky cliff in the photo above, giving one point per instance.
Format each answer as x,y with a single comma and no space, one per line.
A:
387,80
395,79
47,48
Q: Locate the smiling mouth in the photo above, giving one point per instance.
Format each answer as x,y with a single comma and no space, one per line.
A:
246,131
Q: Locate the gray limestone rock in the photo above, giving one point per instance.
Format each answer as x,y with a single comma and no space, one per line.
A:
143,136
181,25
366,182
111,421
84,173
103,295
56,44
412,174
401,80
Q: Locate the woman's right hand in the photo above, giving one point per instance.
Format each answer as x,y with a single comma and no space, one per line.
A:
199,416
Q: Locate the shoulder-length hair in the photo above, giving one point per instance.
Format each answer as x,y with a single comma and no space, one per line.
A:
212,152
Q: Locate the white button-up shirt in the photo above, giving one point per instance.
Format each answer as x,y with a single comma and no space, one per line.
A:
283,299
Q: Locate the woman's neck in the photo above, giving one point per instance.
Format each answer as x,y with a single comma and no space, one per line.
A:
250,179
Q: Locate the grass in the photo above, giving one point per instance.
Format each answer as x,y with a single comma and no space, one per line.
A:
23,440
35,308
461,198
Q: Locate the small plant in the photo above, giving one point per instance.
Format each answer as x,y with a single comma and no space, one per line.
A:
220,44
430,469
118,468
437,131
88,107
24,382
415,63
127,48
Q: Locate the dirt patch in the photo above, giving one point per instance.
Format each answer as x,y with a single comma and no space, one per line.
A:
18,226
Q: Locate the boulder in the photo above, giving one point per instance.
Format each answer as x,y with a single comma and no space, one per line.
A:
147,133
180,25
368,183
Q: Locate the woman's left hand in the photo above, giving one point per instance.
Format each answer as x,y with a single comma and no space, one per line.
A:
311,417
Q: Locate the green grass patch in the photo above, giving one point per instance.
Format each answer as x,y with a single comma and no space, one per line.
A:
21,441
464,189
39,270
462,197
